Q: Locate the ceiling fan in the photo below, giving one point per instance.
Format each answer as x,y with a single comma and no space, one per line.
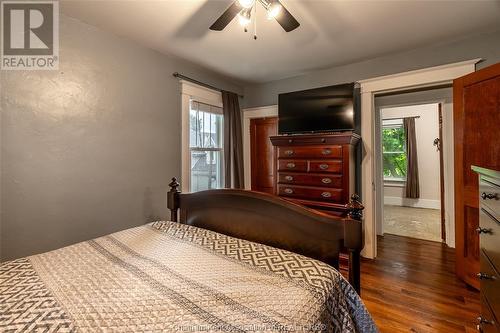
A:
243,9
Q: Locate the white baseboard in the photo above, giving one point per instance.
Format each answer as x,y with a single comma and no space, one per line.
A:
418,203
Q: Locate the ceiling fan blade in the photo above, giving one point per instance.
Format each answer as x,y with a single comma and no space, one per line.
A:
226,17
286,20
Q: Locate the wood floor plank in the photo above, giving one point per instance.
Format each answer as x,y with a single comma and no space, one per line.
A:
412,287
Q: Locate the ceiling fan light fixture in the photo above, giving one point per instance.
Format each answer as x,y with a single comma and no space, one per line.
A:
246,3
274,10
244,17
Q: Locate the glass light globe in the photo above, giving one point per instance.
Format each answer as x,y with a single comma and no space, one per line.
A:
244,19
274,10
246,3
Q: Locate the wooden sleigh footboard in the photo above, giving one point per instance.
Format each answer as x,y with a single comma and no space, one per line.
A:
273,221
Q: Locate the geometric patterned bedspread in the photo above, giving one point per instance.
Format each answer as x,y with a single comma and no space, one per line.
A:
170,277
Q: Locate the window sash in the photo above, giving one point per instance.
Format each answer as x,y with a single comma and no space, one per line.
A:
398,126
197,108
208,138
394,152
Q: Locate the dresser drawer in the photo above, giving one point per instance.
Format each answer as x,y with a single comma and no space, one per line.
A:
331,181
489,195
329,166
292,165
488,323
490,283
310,152
489,236
310,193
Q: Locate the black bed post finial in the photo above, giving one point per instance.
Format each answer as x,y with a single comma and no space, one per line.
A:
355,208
173,199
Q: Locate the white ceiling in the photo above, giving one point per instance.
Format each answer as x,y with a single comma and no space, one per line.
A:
331,32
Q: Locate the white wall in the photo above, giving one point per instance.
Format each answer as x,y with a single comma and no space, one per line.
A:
485,46
427,129
89,149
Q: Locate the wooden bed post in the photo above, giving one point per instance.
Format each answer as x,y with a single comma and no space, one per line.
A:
173,199
353,240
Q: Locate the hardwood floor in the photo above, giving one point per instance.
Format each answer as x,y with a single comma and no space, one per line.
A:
412,287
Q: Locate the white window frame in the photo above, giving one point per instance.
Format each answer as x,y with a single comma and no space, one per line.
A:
393,123
220,169
191,91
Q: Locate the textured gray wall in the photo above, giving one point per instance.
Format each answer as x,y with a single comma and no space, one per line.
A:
485,46
89,149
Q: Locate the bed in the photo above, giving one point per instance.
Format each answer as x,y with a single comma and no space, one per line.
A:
229,261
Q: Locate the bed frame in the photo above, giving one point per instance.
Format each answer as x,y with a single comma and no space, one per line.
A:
273,221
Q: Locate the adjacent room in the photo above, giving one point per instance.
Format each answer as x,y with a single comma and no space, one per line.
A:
411,171
249,166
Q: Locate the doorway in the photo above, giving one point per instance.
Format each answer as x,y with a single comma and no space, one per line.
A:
411,156
262,154
431,215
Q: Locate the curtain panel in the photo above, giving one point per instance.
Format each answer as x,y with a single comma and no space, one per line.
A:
233,141
412,181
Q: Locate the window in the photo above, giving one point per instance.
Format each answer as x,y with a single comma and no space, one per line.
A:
206,146
394,150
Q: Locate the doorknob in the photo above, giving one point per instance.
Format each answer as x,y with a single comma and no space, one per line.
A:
437,143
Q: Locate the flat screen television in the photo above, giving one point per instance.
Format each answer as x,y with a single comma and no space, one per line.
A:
327,109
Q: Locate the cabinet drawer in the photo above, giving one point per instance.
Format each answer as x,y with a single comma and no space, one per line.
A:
331,181
489,195
490,284
489,323
330,166
489,236
310,152
310,193
292,165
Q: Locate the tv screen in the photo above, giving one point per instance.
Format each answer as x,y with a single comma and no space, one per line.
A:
327,109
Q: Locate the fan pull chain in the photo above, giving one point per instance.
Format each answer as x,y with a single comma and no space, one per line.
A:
255,22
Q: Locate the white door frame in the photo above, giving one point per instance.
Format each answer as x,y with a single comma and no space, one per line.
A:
251,113
427,77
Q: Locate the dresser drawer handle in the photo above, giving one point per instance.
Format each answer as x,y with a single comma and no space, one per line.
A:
326,194
289,152
290,165
289,178
323,166
326,180
486,196
326,151
483,276
483,230
482,320
288,191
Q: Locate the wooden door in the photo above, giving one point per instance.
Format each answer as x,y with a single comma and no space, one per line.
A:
263,153
476,118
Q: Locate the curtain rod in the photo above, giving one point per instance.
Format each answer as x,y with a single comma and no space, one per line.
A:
399,118
206,85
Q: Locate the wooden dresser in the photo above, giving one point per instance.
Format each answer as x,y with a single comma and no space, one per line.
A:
489,242
316,170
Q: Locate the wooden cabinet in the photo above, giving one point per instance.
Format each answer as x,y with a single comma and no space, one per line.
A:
316,170
263,154
489,250
476,116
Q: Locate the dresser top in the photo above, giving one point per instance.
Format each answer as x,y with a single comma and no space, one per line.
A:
487,172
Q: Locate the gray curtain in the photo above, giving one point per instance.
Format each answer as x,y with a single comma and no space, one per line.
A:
412,182
233,140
